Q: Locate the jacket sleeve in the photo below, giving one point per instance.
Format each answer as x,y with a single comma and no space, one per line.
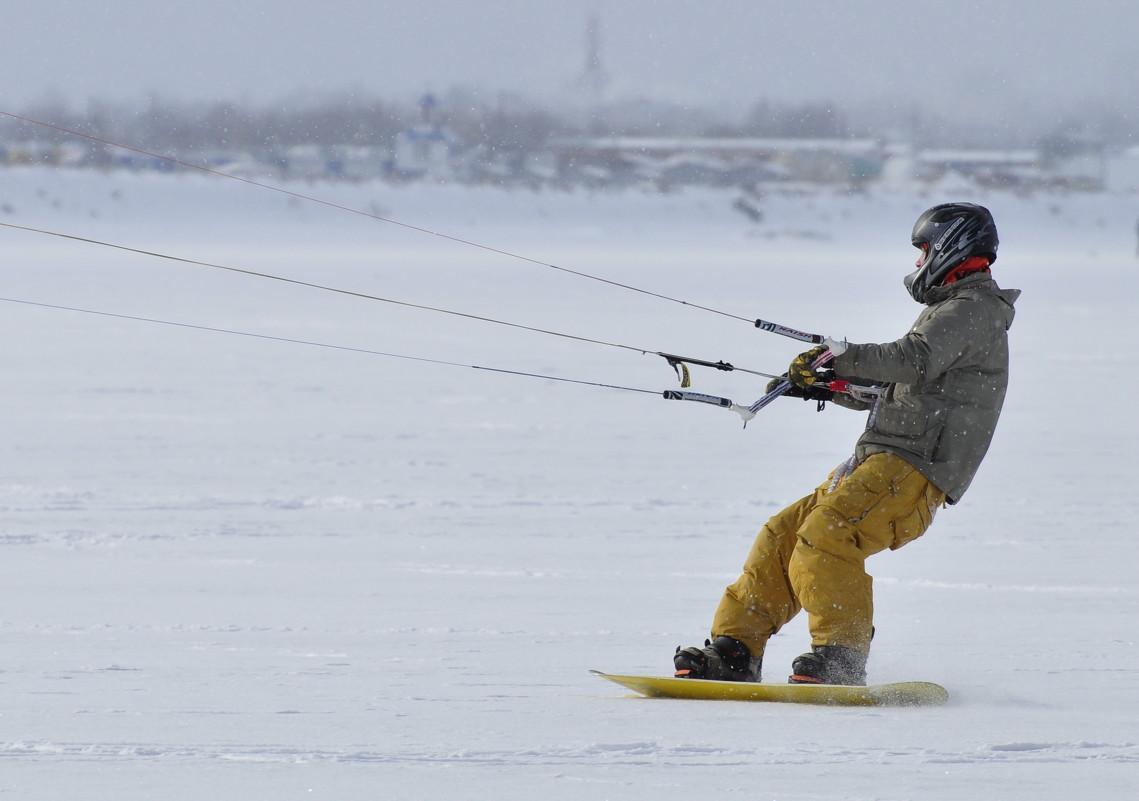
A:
943,337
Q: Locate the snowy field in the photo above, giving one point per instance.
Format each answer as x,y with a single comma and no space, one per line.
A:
241,568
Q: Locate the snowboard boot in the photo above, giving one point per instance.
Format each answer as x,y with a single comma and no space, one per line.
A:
722,659
829,664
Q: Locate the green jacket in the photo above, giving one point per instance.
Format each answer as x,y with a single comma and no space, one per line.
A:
945,383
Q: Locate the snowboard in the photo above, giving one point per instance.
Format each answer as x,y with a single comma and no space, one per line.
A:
910,693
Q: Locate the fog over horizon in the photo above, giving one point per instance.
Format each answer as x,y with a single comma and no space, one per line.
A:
1008,66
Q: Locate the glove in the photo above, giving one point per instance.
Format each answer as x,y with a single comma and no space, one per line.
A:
802,374
815,393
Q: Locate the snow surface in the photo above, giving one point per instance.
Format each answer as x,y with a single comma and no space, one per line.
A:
238,568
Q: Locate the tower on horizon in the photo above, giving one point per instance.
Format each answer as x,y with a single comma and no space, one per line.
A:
593,79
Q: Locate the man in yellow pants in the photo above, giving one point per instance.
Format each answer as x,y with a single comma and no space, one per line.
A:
941,389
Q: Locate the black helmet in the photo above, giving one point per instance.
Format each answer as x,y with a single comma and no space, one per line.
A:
948,235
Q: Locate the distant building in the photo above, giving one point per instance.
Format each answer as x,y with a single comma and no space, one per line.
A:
427,149
1121,171
985,167
58,155
728,161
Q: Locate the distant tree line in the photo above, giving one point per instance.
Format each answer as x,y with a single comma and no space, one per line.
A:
515,123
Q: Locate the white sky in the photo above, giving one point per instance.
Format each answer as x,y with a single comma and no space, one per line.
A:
1001,57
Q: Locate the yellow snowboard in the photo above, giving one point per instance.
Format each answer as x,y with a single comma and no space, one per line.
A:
910,693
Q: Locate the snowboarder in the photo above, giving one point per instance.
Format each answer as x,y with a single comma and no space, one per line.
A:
942,386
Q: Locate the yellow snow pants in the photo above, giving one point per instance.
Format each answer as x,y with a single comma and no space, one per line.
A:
811,556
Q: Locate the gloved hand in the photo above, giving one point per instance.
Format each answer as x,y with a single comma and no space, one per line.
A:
815,393
802,374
